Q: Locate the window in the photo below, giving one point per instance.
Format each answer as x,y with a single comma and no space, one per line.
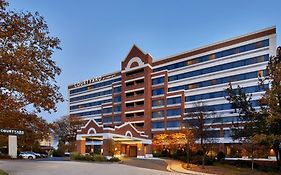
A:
173,112
158,114
117,118
158,91
117,108
173,124
117,89
117,99
175,100
134,72
106,110
107,119
159,80
224,53
219,67
157,125
157,103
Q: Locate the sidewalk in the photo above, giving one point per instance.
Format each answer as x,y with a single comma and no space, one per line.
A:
176,166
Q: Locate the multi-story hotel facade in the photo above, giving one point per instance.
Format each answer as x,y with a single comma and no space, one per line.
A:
150,96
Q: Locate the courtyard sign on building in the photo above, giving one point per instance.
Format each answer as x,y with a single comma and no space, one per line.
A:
11,132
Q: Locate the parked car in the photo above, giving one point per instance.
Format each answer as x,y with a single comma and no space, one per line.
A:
37,155
27,155
44,155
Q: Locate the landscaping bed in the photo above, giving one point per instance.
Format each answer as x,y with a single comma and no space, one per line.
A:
92,158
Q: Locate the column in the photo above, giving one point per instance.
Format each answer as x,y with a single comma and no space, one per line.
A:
81,146
12,146
140,150
148,151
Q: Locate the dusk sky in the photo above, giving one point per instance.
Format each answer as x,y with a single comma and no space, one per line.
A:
97,35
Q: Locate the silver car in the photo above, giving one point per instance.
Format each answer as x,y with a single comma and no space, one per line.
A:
27,155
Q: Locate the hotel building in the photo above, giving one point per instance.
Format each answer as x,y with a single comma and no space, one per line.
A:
150,96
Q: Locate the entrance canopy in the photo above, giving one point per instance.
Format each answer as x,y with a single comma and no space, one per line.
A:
125,135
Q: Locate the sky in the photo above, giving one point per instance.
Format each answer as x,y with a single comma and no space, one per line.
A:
96,35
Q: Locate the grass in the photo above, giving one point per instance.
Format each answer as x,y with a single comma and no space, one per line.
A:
222,169
3,172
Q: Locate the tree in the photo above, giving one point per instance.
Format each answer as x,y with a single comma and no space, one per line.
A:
250,120
262,126
271,132
66,129
198,115
27,72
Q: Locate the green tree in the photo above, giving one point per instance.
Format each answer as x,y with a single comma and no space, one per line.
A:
248,120
261,126
27,72
271,132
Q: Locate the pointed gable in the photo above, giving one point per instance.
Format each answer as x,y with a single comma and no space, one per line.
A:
136,58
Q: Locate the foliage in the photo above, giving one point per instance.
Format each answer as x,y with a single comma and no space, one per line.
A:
3,172
198,114
263,126
66,129
92,158
27,73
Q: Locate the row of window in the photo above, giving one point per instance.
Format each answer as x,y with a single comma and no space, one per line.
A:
170,124
215,120
96,103
218,107
90,95
221,67
159,80
117,119
96,85
217,81
96,112
170,112
250,89
224,53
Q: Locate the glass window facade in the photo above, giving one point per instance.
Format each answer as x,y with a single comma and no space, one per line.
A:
250,89
107,110
107,119
159,80
158,125
117,118
117,89
158,91
96,103
117,99
96,85
217,55
157,114
156,103
173,112
174,100
226,66
117,108
173,124
96,112
223,80
83,97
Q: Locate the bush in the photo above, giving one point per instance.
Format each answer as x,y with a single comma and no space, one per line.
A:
92,158
4,156
114,159
220,156
57,153
197,159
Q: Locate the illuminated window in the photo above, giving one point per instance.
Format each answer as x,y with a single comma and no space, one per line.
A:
260,73
211,57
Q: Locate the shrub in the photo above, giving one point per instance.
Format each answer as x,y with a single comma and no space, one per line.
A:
197,159
220,156
58,153
4,156
114,159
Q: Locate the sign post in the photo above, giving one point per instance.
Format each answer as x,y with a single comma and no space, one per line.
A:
12,140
